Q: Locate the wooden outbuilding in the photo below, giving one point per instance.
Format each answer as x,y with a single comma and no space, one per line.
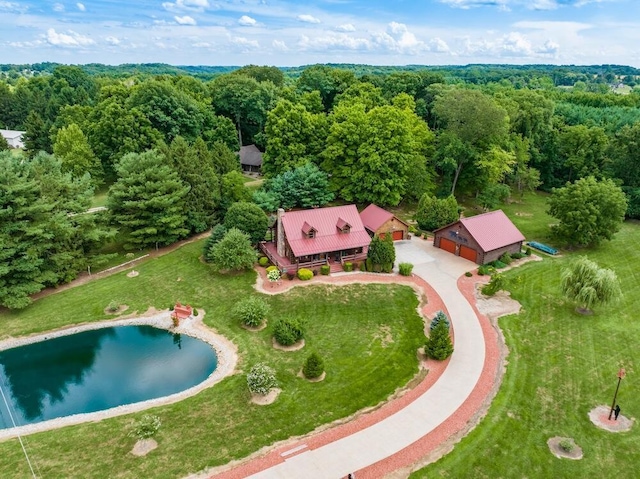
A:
481,239
251,159
378,221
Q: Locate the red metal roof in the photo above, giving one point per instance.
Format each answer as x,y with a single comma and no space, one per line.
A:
492,230
328,237
373,217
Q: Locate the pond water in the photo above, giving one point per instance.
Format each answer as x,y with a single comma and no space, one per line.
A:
96,370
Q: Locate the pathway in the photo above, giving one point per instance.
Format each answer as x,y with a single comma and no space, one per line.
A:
410,424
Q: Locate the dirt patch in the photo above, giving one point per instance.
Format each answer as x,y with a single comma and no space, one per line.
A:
121,309
294,347
144,447
557,450
600,417
314,380
263,400
256,329
500,304
384,335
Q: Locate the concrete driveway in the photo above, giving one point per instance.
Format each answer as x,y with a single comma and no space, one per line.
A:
422,255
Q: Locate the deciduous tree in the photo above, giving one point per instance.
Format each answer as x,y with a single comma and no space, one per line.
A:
233,252
589,211
248,218
588,285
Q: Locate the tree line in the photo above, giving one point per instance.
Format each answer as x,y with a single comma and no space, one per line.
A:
165,146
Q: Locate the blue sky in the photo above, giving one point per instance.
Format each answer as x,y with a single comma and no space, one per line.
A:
290,33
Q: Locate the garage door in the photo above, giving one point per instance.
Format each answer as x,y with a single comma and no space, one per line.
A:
447,245
468,253
397,235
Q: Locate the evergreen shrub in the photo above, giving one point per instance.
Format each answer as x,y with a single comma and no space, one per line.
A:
313,366
439,345
305,274
288,331
263,261
325,269
348,266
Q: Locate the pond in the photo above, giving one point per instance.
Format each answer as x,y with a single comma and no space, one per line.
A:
97,370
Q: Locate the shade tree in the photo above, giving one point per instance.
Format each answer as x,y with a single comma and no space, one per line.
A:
588,285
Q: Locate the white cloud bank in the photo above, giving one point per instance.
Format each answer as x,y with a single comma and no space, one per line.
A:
186,20
247,21
68,39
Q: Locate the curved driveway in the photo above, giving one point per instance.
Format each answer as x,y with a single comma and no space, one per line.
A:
398,431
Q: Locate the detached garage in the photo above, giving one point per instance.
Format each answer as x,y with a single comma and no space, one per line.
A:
481,239
378,221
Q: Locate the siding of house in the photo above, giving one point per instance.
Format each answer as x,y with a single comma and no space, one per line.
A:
394,224
490,256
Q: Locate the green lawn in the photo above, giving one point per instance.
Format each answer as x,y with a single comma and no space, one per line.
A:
100,197
560,366
349,326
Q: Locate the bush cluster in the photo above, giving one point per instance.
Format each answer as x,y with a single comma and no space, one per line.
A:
498,264
261,379
146,427
496,284
347,266
325,269
405,269
518,255
313,367
506,258
251,311
271,268
288,331
305,274
486,269
263,261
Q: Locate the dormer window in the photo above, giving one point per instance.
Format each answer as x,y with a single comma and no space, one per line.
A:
343,226
308,231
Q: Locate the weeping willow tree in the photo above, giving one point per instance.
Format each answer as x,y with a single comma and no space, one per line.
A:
587,285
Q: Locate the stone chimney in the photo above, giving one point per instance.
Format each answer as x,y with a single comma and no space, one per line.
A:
280,233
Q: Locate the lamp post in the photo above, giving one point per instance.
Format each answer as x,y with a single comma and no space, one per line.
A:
621,374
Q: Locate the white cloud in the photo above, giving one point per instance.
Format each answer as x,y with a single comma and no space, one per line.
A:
186,20
12,6
58,7
247,21
81,6
465,4
245,43
347,27
515,45
69,39
398,38
333,42
544,5
438,45
112,40
549,48
308,19
280,45
192,5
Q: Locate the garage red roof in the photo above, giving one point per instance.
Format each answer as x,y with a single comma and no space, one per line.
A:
326,222
492,230
373,217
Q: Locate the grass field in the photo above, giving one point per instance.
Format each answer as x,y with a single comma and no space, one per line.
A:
347,325
560,366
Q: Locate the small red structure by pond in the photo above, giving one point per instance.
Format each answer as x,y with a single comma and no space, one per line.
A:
181,312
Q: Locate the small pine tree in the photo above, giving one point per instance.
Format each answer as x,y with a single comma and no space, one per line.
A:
313,367
440,317
288,331
439,345
217,233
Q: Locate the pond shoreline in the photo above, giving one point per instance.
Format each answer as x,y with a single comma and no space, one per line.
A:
225,350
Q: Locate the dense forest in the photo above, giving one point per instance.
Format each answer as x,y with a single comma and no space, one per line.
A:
163,141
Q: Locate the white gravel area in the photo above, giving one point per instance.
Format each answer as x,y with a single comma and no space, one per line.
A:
226,352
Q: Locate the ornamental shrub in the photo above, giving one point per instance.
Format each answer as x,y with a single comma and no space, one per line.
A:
468,274
517,255
325,269
498,264
386,267
263,261
313,367
288,331
273,275
527,251
405,269
271,268
506,258
251,311
368,265
440,317
485,269
113,306
305,274
496,284
347,266
439,345
261,379
566,445
146,427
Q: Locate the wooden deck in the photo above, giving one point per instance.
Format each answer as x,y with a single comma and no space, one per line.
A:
285,265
